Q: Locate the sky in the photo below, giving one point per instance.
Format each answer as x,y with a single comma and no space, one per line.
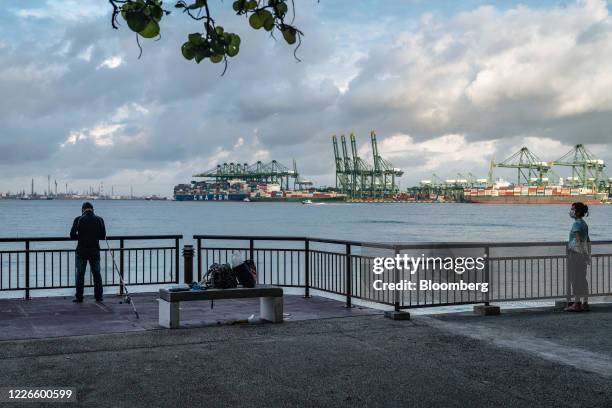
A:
446,85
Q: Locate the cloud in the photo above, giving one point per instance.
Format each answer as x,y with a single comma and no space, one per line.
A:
111,62
433,154
445,91
491,73
70,10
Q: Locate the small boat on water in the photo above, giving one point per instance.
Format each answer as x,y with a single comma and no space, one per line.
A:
246,200
310,202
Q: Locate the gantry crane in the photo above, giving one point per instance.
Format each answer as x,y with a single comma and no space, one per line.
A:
384,174
363,178
587,170
356,177
272,172
530,169
298,182
342,181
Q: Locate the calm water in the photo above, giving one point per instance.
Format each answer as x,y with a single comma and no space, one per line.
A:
368,222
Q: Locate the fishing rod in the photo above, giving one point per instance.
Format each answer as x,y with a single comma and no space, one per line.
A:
127,298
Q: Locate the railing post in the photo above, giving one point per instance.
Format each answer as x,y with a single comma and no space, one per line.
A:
27,270
487,274
252,250
348,277
199,259
306,268
568,288
188,263
121,267
177,258
396,301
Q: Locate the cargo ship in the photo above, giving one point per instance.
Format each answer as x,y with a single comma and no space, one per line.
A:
211,197
533,195
302,199
238,190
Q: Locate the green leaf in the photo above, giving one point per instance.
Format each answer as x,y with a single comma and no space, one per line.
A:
152,30
157,13
267,19
216,58
235,40
136,20
219,30
217,48
125,9
269,25
195,38
262,18
255,21
187,50
281,9
233,50
289,34
199,55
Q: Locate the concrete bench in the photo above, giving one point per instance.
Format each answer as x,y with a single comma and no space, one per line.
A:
270,304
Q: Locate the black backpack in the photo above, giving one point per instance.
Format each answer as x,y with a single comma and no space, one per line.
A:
220,277
246,274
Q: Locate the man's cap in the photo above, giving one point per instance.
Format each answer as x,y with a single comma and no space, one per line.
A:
87,206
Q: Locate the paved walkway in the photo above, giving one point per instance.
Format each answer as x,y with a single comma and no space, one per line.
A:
518,359
58,316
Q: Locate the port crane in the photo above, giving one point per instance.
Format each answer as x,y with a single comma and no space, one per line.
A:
272,172
342,181
384,174
363,174
530,169
587,170
357,178
348,169
298,182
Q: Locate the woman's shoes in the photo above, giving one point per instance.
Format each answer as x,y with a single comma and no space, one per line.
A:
575,307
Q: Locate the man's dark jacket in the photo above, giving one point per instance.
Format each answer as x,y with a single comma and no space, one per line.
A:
89,229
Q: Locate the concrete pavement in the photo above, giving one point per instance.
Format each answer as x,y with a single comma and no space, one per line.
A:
451,360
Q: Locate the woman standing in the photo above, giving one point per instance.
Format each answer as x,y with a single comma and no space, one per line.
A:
578,257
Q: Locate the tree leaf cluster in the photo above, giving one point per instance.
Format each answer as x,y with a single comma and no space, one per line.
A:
213,42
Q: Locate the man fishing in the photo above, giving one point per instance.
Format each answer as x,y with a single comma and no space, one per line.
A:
88,229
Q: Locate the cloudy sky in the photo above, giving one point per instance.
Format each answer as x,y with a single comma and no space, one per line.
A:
447,85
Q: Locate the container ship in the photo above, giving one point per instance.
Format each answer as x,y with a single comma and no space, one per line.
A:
238,190
299,196
533,195
211,197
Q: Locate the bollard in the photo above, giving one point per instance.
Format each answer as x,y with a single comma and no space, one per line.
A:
486,310
188,263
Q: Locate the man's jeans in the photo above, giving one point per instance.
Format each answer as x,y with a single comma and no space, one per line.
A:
94,265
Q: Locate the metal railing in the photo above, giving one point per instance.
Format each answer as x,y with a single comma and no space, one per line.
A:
28,264
513,271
